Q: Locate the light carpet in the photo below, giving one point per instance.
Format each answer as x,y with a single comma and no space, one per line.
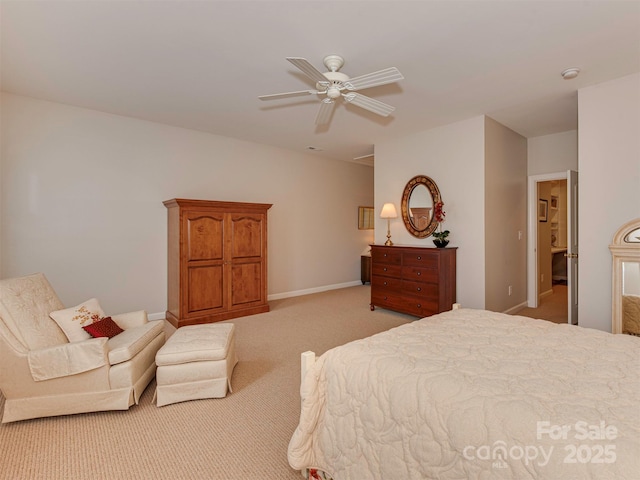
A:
242,436
551,307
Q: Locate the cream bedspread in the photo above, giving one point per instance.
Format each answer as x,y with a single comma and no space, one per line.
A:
474,394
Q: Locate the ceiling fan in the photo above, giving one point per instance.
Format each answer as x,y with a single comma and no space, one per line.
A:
334,84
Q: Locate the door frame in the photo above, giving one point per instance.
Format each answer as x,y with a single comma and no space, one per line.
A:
532,237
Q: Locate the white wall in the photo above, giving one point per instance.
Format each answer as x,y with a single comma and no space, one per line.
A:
553,153
609,169
82,192
505,193
453,156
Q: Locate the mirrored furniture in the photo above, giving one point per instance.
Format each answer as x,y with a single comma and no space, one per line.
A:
625,250
418,201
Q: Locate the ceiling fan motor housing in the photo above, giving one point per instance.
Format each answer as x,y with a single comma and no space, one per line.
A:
334,88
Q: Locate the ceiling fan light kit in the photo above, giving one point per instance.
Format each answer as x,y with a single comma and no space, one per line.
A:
334,84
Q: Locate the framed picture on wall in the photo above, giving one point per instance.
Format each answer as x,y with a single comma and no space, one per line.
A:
543,210
365,218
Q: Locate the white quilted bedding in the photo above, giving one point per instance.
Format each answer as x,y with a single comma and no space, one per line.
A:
471,394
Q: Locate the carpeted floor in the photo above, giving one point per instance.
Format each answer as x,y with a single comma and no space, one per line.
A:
243,436
552,307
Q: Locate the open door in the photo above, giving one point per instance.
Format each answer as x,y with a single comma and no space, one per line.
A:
572,246
572,240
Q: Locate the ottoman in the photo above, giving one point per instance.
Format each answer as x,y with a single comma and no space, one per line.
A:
196,362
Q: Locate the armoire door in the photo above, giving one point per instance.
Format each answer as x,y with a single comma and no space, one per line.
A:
246,253
204,286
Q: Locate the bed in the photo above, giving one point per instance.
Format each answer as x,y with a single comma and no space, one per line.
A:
473,394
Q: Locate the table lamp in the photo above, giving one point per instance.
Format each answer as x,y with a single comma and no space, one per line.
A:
388,212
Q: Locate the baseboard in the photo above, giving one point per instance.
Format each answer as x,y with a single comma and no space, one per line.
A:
278,296
324,288
547,293
516,308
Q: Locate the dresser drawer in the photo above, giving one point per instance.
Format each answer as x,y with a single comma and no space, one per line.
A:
420,259
427,291
406,304
381,282
386,256
422,309
420,274
386,270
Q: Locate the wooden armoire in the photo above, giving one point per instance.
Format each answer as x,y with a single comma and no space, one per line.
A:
217,260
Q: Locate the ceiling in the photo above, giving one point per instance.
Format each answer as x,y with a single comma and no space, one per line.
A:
202,64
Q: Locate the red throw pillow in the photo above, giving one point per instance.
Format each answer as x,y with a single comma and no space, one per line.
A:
105,327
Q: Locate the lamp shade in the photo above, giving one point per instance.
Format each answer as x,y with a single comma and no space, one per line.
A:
388,211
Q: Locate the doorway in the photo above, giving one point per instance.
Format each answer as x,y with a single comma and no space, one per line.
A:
552,247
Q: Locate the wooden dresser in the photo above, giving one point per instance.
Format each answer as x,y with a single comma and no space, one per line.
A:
217,260
414,280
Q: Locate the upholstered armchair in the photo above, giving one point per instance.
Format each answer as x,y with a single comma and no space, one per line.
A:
45,374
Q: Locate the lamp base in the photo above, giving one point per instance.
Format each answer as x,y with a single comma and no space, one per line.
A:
388,243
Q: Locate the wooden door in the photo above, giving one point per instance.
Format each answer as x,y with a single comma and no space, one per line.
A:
246,259
204,286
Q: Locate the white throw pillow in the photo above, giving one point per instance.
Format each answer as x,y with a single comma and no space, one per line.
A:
71,320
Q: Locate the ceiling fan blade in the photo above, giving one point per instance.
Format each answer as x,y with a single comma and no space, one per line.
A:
309,70
368,103
324,114
275,96
388,75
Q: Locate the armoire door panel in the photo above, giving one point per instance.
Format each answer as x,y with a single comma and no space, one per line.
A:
205,288
205,234
246,236
246,283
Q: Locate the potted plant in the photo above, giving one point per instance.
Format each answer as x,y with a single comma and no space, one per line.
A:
440,237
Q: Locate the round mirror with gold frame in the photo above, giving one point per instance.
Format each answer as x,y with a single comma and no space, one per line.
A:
418,201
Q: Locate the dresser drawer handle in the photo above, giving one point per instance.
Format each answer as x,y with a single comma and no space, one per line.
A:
385,284
419,305
419,289
419,273
384,255
419,257
384,269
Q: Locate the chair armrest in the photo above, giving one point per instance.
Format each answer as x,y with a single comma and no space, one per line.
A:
131,319
68,359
